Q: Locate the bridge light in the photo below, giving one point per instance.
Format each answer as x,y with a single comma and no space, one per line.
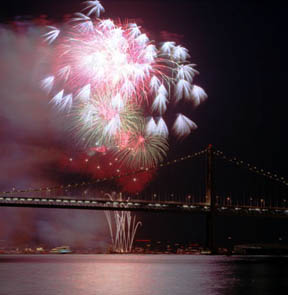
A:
134,179
70,159
110,164
86,160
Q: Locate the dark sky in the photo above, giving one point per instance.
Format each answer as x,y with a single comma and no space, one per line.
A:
241,52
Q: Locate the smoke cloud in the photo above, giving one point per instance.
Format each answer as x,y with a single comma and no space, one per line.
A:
33,143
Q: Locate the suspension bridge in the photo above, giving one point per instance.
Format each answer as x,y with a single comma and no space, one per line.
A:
208,187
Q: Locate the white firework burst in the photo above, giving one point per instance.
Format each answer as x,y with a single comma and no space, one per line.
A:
198,94
155,83
180,53
160,103
151,127
183,89
167,47
112,75
161,128
183,126
186,72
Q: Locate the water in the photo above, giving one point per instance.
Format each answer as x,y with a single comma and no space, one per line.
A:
142,274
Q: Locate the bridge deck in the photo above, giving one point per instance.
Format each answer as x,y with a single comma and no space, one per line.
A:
138,205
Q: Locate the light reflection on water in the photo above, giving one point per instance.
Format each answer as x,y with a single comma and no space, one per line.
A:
142,274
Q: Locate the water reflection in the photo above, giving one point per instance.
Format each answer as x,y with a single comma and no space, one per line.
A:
142,274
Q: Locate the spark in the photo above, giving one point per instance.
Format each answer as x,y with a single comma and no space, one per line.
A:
198,94
183,89
150,52
51,35
183,125
57,99
186,72
161,128
84,93
47,83
180,53
160,103
142,39
151,127
167,47
67,101
64,72
85,23
122,227
134,30
107,24
154,83
95,7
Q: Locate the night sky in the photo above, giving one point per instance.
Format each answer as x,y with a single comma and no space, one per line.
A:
240,50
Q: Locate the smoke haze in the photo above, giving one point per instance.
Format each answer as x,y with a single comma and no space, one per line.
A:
32,144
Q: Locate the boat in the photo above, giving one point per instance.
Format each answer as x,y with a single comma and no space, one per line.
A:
61,250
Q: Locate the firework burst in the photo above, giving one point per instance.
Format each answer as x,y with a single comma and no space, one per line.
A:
111,78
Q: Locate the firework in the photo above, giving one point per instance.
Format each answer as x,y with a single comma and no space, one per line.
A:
122,228
117,84
143,150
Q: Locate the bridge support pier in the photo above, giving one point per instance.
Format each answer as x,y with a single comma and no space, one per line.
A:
210,201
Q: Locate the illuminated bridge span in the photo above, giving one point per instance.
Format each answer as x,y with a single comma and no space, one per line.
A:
139,205
238,188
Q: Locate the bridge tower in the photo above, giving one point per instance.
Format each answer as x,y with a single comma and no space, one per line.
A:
210,200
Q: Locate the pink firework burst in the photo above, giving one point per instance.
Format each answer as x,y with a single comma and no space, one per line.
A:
108,60
110,77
